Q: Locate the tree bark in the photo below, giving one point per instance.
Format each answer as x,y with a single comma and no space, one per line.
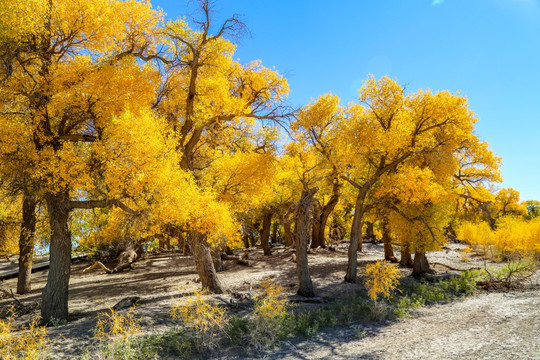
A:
316,225
275,232
289,236
26,244
370,234
265,232
387,240
302,242
356,236
420,265
406,259
54,305
204,264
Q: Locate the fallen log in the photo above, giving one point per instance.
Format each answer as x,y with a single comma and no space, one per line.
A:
125,260
240,260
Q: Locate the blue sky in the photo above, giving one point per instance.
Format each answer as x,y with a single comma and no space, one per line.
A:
489,50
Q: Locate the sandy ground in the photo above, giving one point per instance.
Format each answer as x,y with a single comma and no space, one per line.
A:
485,326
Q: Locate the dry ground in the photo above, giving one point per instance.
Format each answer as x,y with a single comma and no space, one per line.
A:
488,325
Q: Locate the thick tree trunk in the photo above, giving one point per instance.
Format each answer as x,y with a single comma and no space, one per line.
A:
265,232
245,238
406,259
253,238
275,232
420,265
302,243
289,237
26,244
316,225
370,233
204,263
356,237
54,305
387,240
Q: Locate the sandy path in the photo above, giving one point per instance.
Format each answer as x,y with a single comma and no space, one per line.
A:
486,326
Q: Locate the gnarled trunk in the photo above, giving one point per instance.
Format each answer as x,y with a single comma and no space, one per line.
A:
204,263
26,244
54,305
356,236
265,232
406,259
420,265
302,242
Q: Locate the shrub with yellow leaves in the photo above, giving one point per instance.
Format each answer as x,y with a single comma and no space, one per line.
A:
208,321
270,316
26,343
114,326
381,278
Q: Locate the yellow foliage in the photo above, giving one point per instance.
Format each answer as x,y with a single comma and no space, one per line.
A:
25,343
115,326
270,313
10,221
381,278
208,321
512,235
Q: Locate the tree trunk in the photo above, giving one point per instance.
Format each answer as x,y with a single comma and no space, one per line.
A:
302,242
245,238
54,305
325,214
289,237
370,233
387,240
265,232
26,244
204,263
406,259
275,232
316,225
253,238
420,265
356,236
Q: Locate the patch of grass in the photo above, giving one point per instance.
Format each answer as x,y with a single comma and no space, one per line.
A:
418,294
174,343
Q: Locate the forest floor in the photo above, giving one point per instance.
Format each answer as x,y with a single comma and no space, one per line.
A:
494,325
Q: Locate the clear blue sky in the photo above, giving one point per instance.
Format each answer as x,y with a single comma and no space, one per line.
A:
487,49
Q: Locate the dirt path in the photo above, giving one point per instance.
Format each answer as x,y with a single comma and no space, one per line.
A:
486,326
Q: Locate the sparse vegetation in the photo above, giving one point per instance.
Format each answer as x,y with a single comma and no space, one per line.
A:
28,343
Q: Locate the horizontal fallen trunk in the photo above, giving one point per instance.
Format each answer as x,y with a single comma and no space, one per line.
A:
240,260
125,260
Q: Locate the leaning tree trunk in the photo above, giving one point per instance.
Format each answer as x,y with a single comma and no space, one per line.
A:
387,240
26,244
420,265
325,214
204,263
406,259
265,232
54,305
356,237
302,242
